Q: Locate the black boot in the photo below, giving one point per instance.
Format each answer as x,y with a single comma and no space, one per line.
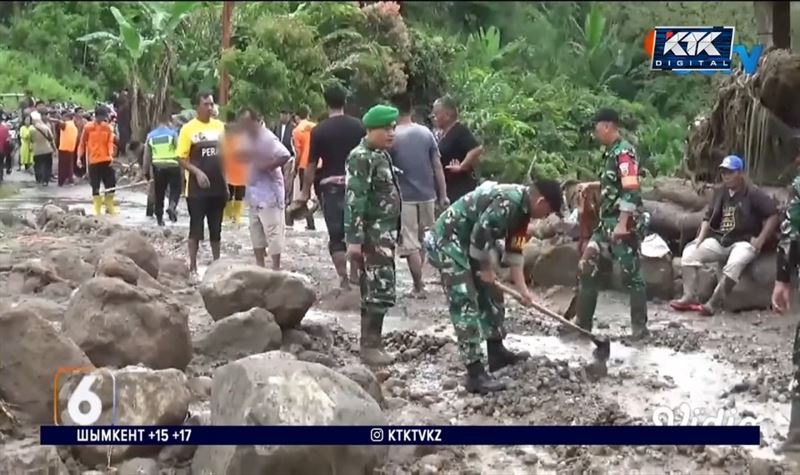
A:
792,442
638,302
478,381
500,356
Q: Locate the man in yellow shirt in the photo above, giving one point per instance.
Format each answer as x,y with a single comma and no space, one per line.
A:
199,152
301,140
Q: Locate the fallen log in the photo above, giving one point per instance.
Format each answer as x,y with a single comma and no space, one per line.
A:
680,192
673,223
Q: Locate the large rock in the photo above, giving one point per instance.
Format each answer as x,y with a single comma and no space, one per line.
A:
31,277
135,246
275,389
754,289
118,324
26,456
365,378
69,264
657,274
31,354
227,289
119,266
143,397
241,334
43,307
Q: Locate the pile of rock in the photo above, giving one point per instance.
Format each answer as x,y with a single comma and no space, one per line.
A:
121,323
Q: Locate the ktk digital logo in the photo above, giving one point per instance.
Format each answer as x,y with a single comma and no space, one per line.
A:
698,49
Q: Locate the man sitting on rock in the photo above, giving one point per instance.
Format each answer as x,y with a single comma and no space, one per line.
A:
460,243
737,224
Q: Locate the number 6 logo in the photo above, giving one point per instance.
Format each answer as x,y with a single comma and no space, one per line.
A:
84,405
84,394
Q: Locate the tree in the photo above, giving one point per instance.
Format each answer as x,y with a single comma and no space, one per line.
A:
146,56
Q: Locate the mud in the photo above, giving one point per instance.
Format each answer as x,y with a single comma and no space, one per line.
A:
736,367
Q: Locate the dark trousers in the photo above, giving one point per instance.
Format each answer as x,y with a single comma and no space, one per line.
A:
309,218
7,156
101,172
43,168
66,164
166,177
332,200
79,171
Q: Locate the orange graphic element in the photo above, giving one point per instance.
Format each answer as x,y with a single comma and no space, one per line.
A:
59,372
649,42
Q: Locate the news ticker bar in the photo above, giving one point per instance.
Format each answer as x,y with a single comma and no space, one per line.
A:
400,435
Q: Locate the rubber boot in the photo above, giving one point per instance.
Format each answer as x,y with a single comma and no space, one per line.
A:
478,381
97,205
638,303
689,298
792,442
236,211
109,201
587,303
721,291
372,353
500,356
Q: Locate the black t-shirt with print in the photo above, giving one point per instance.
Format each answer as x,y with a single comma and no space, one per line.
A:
739,217
454,146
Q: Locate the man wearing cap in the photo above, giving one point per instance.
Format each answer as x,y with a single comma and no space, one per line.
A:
620,229
786,261
460,245
371,226
738,222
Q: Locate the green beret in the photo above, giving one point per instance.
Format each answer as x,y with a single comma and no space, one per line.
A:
379,116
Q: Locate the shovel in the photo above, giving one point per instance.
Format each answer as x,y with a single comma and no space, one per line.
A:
603,350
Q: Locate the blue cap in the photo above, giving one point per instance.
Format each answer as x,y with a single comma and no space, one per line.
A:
732,163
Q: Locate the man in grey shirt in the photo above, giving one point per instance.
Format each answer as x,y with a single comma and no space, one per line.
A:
421,178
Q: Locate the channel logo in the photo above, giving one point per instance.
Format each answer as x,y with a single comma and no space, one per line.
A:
690,48
84,401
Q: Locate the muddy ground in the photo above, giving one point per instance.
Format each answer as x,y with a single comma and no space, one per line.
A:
731,367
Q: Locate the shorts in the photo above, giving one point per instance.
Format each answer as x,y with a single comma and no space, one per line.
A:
415,219
267,227
210,209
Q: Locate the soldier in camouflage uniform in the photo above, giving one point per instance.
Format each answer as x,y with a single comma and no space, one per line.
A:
459,245
371,226
620,230
786,265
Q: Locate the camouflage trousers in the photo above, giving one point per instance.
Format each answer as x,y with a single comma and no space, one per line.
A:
476,309
377,280
626,253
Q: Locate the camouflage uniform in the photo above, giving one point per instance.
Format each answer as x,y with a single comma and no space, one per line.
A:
372,219
462,237
619,165
787,263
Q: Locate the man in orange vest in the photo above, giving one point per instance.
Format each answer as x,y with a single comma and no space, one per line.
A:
97,145
67,143
301,140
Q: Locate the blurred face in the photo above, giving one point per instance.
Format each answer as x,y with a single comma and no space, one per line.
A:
381,138
205,107
730,178
604,132
540,208
40,107
441,116
248,123
285,118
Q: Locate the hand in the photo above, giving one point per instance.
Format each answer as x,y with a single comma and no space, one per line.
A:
757,244
79,163
487,276
202,179
620,231
781,294
444,202
526,298
454,167
354,253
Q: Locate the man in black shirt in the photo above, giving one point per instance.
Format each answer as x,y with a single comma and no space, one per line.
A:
458,149
331,141
737,224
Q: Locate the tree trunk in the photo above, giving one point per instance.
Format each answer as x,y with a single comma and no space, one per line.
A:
764,19
782,24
